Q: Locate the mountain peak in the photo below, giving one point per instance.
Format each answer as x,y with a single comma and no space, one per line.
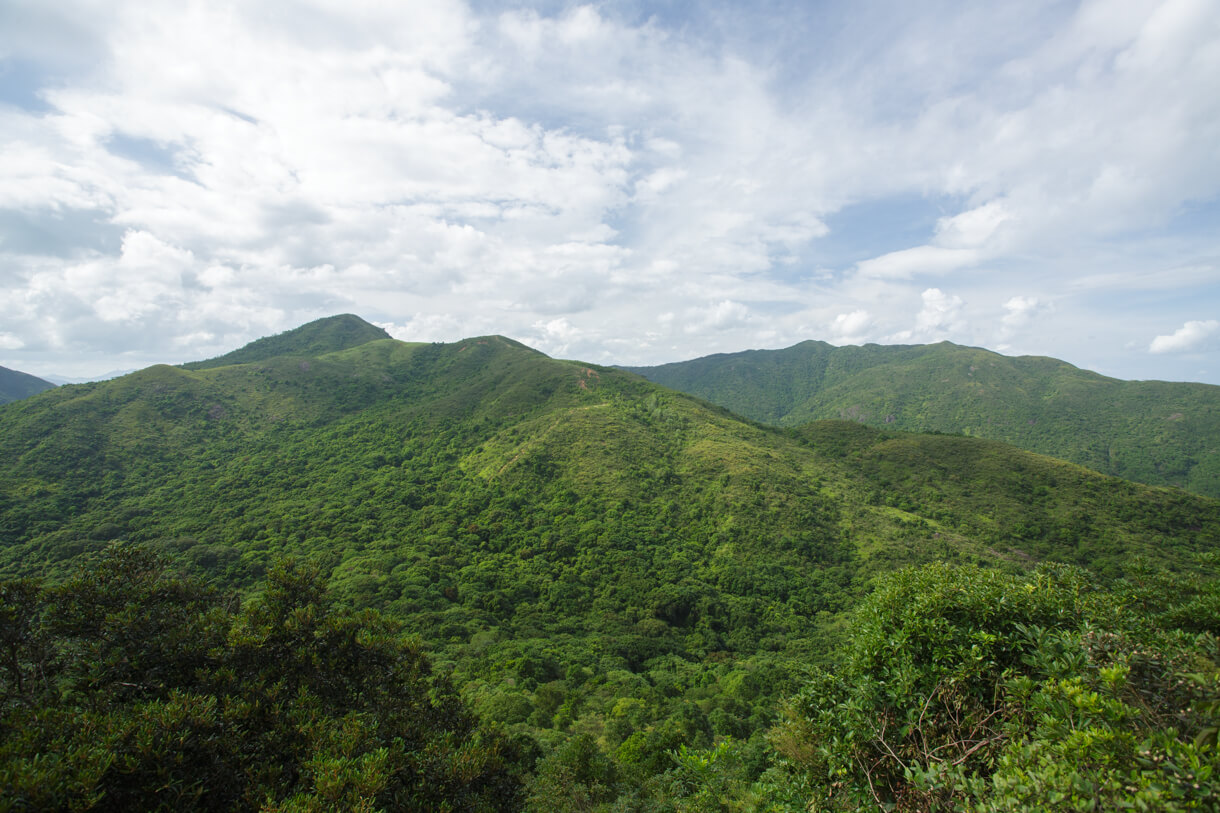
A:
319,337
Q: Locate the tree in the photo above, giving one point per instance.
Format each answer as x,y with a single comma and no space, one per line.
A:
972,689
131,687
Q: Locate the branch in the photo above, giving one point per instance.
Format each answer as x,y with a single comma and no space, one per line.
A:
977,746
869,776
886,745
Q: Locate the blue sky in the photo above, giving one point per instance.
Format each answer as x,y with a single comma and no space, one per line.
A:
620,182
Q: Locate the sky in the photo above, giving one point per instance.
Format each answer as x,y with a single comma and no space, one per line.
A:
616,182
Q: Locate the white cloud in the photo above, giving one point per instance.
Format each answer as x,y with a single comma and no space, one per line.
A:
453,171
1019,310
939,318
850,328
960,241
922,260
717,316
1189,336
557,328
972,228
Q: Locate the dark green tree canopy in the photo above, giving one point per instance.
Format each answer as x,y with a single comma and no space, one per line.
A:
129,687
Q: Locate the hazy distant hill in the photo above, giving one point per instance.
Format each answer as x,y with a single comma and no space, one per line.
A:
15,385
1154,432
327,335
60,380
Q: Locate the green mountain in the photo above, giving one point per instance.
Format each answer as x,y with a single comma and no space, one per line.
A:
321,336
15,385
608,566
1154,432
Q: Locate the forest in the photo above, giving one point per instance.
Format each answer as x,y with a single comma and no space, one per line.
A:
1155,432
337,570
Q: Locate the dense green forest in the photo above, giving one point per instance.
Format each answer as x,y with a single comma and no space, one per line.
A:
15,385
131,687
1155,432
622,583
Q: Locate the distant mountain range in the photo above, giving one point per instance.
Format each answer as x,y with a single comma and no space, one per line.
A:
1154,432
60,380
15,385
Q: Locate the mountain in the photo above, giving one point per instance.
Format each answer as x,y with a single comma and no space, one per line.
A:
15,385
278,454
1154,432
594,560
326,335
60,380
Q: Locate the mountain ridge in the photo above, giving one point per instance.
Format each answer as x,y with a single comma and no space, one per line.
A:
491,381
1160,433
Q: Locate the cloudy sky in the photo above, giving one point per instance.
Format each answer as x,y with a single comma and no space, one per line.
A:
630,182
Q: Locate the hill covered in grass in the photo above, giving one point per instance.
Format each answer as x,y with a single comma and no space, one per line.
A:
15,385
604,565
1155,432
326,335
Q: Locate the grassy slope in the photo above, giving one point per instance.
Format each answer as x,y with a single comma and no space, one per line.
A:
15,385
565,537
1153,432
326,335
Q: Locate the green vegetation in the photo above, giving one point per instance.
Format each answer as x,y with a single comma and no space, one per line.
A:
129,687
328,335
15,385
1152,432
623,579
970,689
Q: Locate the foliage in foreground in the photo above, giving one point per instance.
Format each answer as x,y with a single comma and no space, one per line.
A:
129,687
132,687
971,689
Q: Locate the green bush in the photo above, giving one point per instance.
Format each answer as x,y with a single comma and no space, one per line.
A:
966,688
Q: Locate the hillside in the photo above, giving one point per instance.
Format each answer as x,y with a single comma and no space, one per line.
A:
15,385
585,553
1154,432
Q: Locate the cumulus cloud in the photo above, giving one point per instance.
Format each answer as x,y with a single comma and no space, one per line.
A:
939,313
1190,336
1019,310
717,316
555,336
850,328
940,316
462,170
